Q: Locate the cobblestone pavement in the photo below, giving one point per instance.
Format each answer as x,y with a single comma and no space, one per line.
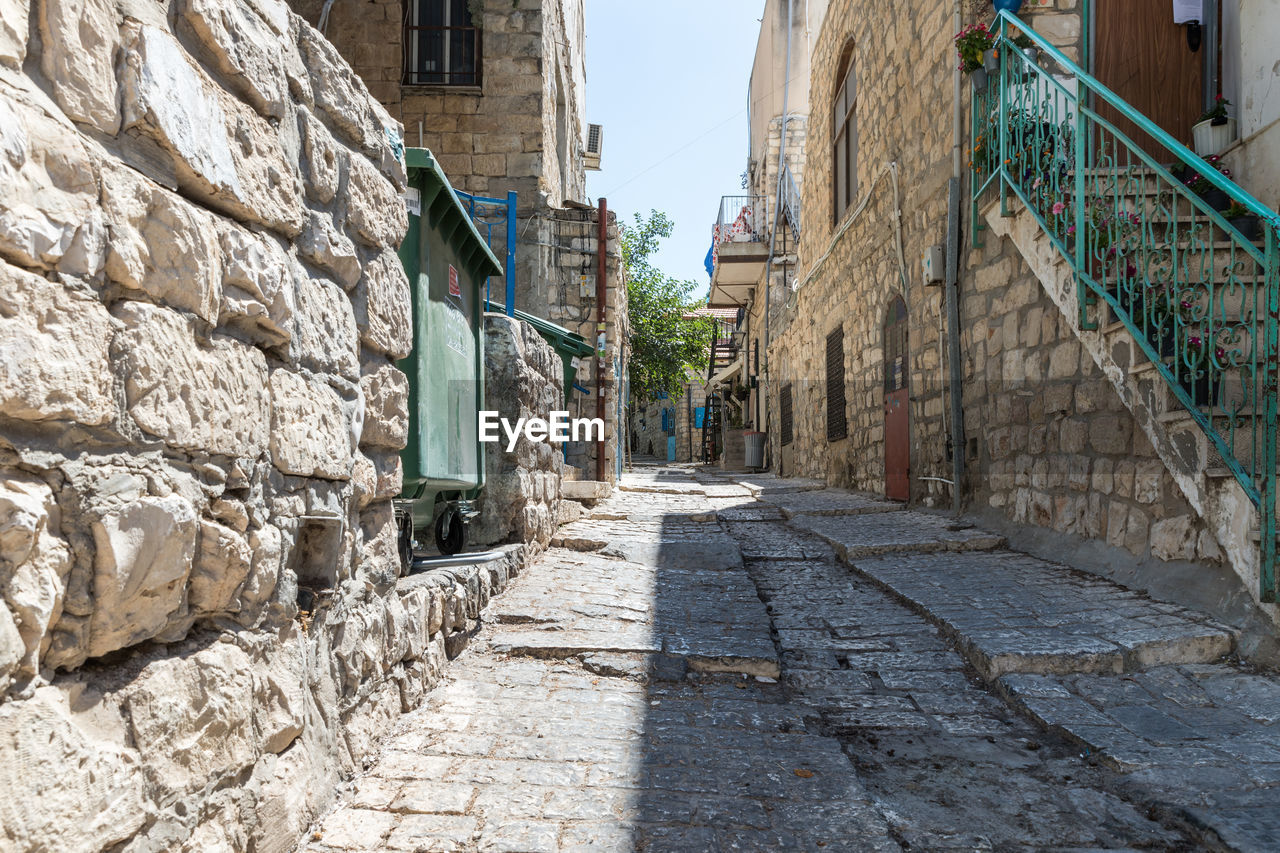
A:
616,698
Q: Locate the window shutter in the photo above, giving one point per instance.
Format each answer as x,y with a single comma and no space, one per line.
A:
784,414
837,424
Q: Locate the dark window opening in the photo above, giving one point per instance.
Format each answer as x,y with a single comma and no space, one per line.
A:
844,135
784,414
837,424
441,44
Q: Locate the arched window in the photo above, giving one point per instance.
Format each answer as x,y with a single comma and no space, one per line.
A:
844,135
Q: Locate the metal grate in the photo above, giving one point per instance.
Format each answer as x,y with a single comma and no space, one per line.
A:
837,424
784,414
594,134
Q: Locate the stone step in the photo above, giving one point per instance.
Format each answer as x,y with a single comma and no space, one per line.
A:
1013,613
829,502
867,534
585,490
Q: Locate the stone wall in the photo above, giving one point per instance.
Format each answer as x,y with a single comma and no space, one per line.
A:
572,240
199,208
848,270
524,378
1051,444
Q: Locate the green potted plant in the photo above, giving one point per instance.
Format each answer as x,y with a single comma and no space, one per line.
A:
1214,130
972,43
1243,220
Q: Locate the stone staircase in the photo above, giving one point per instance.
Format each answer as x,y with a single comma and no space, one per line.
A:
1180,441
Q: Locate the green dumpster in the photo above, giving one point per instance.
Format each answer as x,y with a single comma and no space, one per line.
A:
447,263
567,344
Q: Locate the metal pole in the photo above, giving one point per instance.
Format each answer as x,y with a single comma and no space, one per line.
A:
602,248
511,254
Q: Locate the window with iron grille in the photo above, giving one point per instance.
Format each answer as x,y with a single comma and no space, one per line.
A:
441,44
837,425
844,124
784,414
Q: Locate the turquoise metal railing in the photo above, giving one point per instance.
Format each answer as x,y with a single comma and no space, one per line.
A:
1148,242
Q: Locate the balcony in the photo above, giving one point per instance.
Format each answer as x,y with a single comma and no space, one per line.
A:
739,250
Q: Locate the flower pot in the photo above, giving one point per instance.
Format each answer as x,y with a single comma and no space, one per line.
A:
1209,138
979,78
1248,227
1217,199
1011,6
991,60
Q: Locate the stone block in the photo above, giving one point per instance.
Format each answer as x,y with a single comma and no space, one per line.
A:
310,427
258,294
386,406
219,149
324,328
279,691
323,244
1174,538
222,562
143,555
79,43
162,245
375,210
383,308
33,569
1072,434
234,39
63,788
170,708
325,159
1111,433
13,31
338,92
55,359
210,397
49,214
1147,478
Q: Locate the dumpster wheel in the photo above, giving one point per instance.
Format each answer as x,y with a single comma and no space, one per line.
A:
451,531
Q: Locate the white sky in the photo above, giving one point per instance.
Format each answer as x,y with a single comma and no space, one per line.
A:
668,80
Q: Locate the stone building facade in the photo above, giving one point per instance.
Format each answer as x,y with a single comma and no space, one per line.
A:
508,117
1047,440
750,275
202,626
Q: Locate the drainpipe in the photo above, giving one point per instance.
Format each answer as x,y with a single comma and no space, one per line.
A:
602,248
953,277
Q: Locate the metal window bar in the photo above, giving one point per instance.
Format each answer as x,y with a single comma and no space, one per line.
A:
1149,247
741,219
453,49
488,214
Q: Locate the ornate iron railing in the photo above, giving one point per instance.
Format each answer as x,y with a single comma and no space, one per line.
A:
1147,240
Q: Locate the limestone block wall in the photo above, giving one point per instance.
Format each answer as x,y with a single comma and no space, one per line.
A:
200,310
1051,444
848,270
524,378
568,297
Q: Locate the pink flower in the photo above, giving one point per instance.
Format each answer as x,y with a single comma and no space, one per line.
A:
1058,207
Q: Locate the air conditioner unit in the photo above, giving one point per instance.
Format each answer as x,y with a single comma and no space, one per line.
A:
595,142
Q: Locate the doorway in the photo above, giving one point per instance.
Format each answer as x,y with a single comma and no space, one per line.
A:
897,423
1142,55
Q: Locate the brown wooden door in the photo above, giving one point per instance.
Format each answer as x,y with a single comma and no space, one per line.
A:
1142,56
897,424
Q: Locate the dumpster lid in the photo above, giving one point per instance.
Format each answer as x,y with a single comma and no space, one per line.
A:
559,337
466,240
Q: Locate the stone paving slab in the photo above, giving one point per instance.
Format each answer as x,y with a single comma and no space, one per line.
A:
1201,742
879,533
675,588
771,484
828,502
1011,612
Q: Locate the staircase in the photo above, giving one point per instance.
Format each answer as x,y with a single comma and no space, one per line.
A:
1178,306
711,428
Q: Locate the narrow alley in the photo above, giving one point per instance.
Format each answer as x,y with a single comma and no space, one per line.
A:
716,663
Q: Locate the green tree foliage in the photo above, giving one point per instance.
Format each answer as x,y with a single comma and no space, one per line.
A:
664,340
